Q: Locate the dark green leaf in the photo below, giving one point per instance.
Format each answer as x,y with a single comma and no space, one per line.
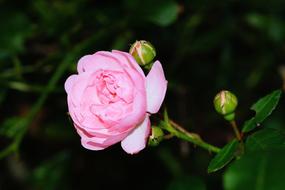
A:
249,125
209,40
187,182
3,95
266,105
52,173
263,109
271,25
164,13
15,30
257,171
170,161
223,157
12,126
266,139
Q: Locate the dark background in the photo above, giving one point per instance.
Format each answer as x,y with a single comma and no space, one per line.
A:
204,46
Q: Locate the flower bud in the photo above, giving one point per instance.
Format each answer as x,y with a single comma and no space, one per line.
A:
156,136
143,52
225,104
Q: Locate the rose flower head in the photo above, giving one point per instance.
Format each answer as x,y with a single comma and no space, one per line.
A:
110,100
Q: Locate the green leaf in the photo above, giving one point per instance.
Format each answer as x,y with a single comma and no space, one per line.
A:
15,31
187,182
170,161
52,173
249,125
266,139
12,126
271,25
163,13
3,95
159,12
263,109
266,105
224,156
256,171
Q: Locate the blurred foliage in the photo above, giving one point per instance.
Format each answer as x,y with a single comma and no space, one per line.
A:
187,182
257,170
266,139
15,31
53,173
204,46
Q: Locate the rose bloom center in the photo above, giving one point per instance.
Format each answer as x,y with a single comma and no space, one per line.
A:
114,92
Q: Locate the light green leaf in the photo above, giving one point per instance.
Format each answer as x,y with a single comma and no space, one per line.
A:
263,109
266,139
256,171
224,156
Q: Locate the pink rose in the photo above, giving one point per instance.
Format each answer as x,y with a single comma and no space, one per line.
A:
110,100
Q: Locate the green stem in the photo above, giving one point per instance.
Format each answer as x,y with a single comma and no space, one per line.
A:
238,136
236,130
180,132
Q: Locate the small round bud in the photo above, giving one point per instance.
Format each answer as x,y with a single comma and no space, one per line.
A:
225,103
156,136
143,52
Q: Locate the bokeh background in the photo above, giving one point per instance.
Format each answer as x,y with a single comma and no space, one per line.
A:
204,46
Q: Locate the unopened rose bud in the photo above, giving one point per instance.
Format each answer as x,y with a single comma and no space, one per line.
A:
156,136
225,104
143,52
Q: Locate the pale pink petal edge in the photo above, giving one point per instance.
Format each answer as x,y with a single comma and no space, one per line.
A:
156,86
136,140
69,83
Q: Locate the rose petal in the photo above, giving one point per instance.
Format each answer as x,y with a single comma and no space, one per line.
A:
78,87
87,137
136,140
98,142
69,83
72,109
156,86
136,116
131,67
91,145
126,58
99,60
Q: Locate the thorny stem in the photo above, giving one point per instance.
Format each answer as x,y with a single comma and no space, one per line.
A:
178,131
